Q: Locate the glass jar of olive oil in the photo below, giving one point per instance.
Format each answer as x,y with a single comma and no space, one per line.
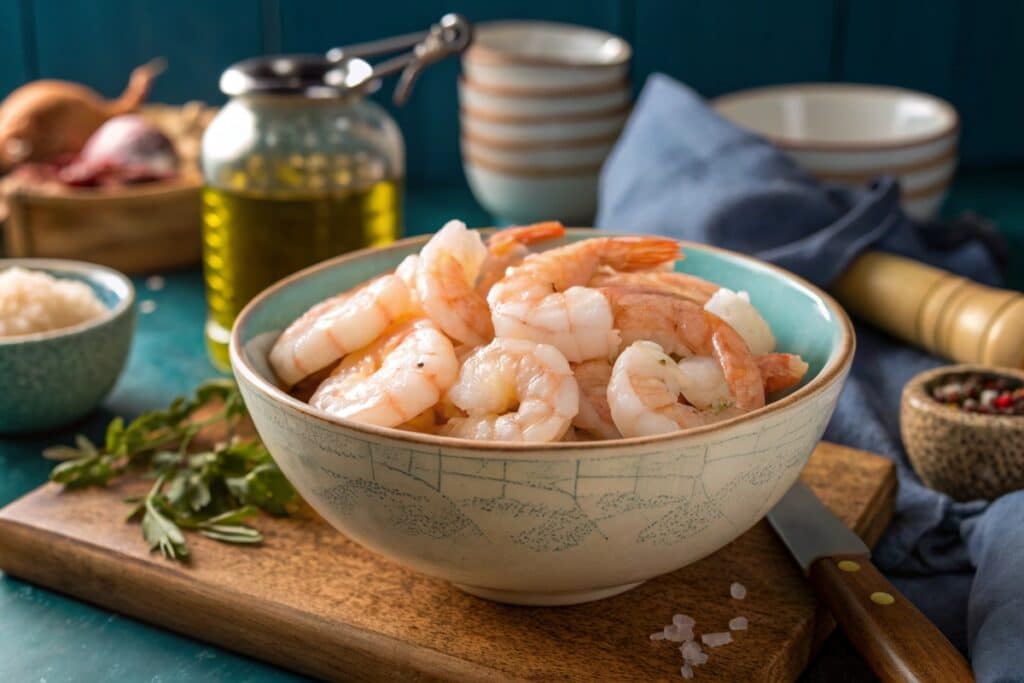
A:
296,171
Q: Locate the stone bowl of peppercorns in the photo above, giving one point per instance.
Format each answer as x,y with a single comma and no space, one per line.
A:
963,428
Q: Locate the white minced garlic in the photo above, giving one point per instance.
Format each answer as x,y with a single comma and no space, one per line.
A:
32,301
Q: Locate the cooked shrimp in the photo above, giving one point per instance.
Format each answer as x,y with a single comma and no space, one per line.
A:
508,247
682,328
544,298
781,370
392,381
735,308
677,284
514,390
594,417
644,391
705,387
445,278
337,326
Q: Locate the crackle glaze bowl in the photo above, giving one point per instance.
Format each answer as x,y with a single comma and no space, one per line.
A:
51,379
548,524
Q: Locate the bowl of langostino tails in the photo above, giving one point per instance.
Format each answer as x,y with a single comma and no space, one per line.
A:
65,332
538,415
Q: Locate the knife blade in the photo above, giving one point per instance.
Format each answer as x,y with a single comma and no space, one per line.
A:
894,638
810,530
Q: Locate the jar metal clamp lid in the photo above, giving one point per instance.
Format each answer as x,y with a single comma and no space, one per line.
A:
344,71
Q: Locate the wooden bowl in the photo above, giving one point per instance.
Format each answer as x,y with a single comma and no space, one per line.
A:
966,455
134,229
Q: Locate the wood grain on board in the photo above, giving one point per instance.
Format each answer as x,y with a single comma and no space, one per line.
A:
313,601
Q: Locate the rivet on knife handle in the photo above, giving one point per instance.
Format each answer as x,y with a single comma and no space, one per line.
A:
895,639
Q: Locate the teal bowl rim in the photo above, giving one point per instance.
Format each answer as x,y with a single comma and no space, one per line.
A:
831,372
86,270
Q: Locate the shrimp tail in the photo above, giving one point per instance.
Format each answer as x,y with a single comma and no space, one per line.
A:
640,253
505,240
781,370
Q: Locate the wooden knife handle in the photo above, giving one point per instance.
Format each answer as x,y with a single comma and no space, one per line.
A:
894,638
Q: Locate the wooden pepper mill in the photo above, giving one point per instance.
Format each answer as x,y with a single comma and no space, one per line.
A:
944,313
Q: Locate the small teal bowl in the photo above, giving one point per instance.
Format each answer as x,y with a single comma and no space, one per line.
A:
54,378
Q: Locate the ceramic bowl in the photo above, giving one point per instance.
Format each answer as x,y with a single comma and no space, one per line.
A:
474,97
966,455
53,378
851,134
547,524
527,195
516,130
541,55
553,155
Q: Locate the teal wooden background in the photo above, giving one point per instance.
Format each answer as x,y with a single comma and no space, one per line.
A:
969,52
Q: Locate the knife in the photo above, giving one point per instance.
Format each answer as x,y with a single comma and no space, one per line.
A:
893,637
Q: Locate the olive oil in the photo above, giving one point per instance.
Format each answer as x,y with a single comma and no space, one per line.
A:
252,239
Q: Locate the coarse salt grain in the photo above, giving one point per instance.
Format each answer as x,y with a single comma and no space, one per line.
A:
147,306
678,635
683,620
660,635
738,624
155,283
690,650
716,639
685,671
738,591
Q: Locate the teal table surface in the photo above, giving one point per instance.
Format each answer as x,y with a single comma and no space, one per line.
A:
45,636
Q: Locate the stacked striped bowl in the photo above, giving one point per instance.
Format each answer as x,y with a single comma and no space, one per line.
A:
541,105
851,134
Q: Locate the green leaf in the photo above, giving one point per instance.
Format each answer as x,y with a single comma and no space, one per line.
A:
61,453
239,533
114,440
233,516
159,530
86,446
265,487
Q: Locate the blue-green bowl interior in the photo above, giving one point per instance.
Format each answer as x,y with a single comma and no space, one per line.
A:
802,320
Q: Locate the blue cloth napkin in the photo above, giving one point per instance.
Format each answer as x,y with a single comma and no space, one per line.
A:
681,170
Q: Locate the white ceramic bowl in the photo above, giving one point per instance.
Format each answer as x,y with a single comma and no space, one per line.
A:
545,55
539,104
556,523
537,157
852,134
521,196
568,129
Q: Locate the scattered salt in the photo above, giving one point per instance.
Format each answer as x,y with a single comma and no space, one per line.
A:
738,591
717,639
147,306
738,624
686,672
155,283
690,651
678,635
683,620
700,660
660,635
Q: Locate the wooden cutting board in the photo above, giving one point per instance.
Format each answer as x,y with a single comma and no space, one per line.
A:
313,601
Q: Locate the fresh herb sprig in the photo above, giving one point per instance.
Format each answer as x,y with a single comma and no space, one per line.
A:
212,492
